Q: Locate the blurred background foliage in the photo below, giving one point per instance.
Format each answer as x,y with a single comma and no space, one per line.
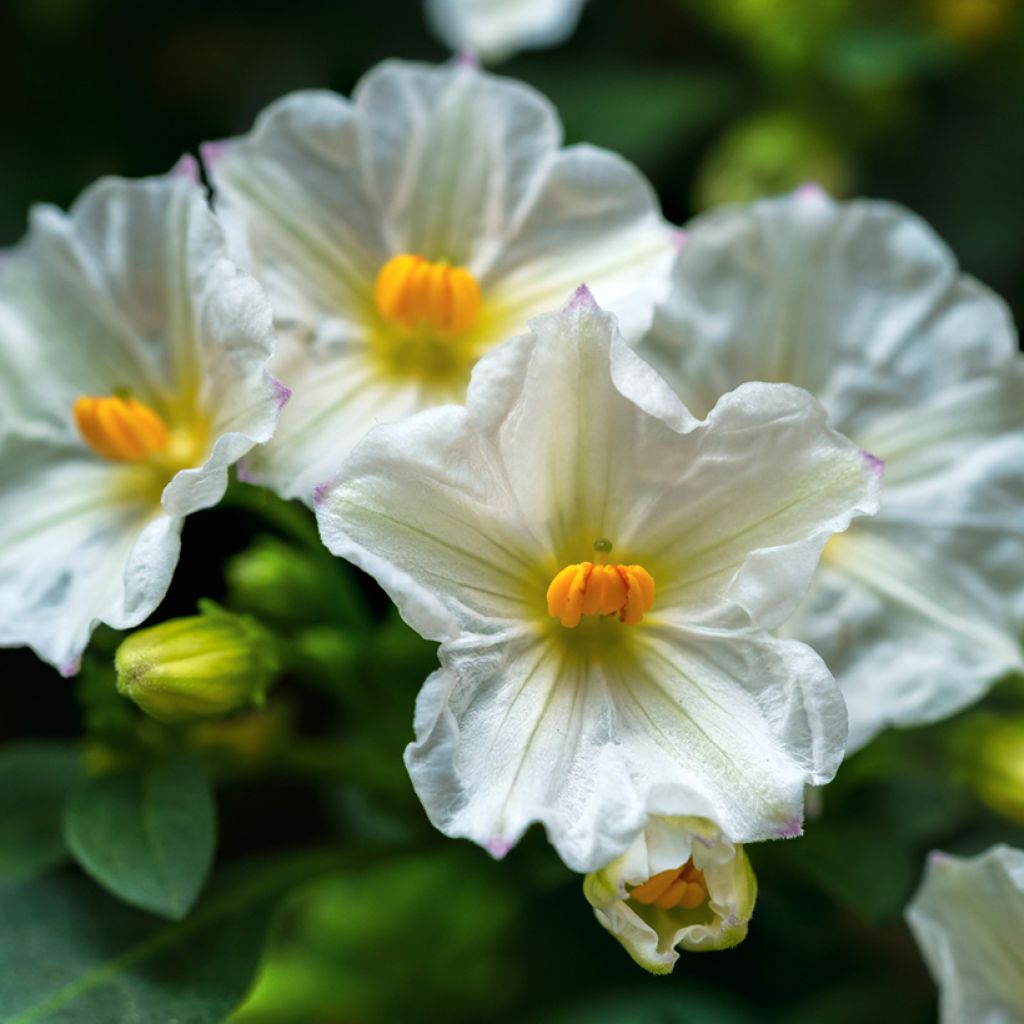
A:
382,919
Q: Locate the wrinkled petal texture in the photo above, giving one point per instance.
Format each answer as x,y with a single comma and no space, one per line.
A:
917,611
464,516
132,290
445,162
968,917
496,29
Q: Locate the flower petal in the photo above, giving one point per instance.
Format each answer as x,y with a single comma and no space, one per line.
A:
920,610
967,918
81,542
725,726
496,31
453,157
292,197
595,221
860,303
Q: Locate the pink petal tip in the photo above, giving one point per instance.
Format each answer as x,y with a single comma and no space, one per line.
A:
679,237
468,60
810,192
320,492
793,828
283,393
498,847
211,153
582,298
243,473
875,464
70,667
188,168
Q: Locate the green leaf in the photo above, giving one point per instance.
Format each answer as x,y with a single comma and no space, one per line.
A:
35,779
73,955
148,835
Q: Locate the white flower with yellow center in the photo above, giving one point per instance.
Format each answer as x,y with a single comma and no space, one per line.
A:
918,610
681,885
599,567
402,234
496,29
968,919
133,372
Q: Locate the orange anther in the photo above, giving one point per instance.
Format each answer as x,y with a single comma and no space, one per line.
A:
418,294
120,429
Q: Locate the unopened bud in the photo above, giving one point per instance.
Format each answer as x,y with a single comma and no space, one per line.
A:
995,761
199,667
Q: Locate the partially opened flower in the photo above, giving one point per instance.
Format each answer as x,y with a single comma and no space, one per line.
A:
402,234
495,29
918,610
599,566
133,372
968,919
681,885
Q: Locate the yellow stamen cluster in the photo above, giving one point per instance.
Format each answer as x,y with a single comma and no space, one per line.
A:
120,429
588,589
683,887
417,294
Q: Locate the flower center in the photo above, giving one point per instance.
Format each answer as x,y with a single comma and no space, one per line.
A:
588,589
683,887
418,294
121,429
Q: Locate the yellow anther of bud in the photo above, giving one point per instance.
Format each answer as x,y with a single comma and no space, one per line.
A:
678,887
588,589
121,429
418,294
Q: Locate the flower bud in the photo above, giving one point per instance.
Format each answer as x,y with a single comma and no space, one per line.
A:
995,763
682,884
199,667
286,585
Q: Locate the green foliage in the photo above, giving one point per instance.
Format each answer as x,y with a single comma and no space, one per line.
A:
146,835
35,778
73,955
335,953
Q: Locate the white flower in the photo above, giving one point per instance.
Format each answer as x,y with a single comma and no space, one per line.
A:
133,361
918,610
599,566
968,919
682,884
403,234
496,29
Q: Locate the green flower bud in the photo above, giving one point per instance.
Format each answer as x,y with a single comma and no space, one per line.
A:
199,667
285,585
996,763
681,885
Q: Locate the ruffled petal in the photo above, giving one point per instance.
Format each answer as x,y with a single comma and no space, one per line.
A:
860,303
453,157
595,222
131,291
81,542
496,31
918,611
292,197
967,918
516,729
466,515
